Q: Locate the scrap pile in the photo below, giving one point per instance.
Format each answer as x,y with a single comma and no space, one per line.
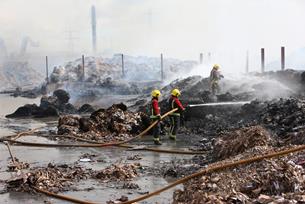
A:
54,178
118,172
112,124
17,165
238,141
280,180
54,105
284,115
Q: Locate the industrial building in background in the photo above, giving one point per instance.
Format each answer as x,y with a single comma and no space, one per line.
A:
93,25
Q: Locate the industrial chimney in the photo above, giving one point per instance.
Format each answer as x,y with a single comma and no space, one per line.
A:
93,24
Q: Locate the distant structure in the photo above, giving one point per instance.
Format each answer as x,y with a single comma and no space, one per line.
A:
93,24
3,50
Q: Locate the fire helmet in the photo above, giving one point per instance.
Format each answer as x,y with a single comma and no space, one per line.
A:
176,92
156,93
216,66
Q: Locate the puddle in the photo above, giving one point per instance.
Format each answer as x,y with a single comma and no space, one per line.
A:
41,156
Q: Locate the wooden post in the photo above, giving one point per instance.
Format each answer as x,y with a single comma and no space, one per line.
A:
123,66
262,60
201,58
162,71
83,65
47,69
282,58
247,62
209,57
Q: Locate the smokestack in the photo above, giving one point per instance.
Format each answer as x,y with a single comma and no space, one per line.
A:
282,58
93,25
263,60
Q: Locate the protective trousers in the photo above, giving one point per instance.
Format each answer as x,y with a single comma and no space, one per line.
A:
174,125
156,130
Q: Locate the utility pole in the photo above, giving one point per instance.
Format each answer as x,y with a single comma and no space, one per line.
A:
162,71
93,27
123,66
282,58
83,66
209,57
47,69
247,62
201,58
263,60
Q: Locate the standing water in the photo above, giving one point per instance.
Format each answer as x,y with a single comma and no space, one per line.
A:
40,157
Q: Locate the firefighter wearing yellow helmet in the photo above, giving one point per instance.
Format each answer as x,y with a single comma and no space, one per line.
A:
173,103
215,76
156,115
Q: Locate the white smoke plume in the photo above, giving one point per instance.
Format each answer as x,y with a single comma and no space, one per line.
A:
178,28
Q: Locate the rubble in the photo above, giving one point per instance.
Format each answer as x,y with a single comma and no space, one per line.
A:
98,68
236,142
54,105
130,186
113,124
17,165
118,172
259,182
54,178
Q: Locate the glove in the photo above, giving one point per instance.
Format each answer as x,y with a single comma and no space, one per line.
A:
159,117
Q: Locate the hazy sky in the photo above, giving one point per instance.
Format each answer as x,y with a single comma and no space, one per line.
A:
178,28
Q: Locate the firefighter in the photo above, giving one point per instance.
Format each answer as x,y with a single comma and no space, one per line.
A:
215,76
174,102
155,115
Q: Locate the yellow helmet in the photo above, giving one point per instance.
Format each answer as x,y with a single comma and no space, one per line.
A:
216,66
156,93
176,92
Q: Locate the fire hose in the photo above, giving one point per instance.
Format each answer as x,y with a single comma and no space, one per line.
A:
117,143
97,144
209,169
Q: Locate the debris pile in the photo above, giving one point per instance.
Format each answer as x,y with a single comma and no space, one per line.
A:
54,105
118,172
16,72
112,124
284,115
54,178
137,68
238,141
261,182
17,165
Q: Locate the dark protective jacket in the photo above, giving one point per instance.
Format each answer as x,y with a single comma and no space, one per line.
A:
174,102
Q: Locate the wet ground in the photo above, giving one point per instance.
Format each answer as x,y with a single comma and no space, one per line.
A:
88,189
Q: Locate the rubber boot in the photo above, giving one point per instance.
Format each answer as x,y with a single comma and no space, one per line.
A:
172,137
157,141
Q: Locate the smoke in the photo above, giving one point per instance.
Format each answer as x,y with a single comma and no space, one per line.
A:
178,28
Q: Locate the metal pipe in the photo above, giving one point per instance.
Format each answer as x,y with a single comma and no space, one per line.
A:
47,69
162,69
263,60
83,66
201,58
123,66
282,58
247,62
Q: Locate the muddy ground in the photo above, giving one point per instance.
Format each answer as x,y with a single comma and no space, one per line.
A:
148,179
225,133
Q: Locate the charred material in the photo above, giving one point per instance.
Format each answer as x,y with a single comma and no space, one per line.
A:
118,172
54,105
54,178
113,124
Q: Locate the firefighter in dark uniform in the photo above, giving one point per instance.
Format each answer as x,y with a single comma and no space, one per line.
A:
174,102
